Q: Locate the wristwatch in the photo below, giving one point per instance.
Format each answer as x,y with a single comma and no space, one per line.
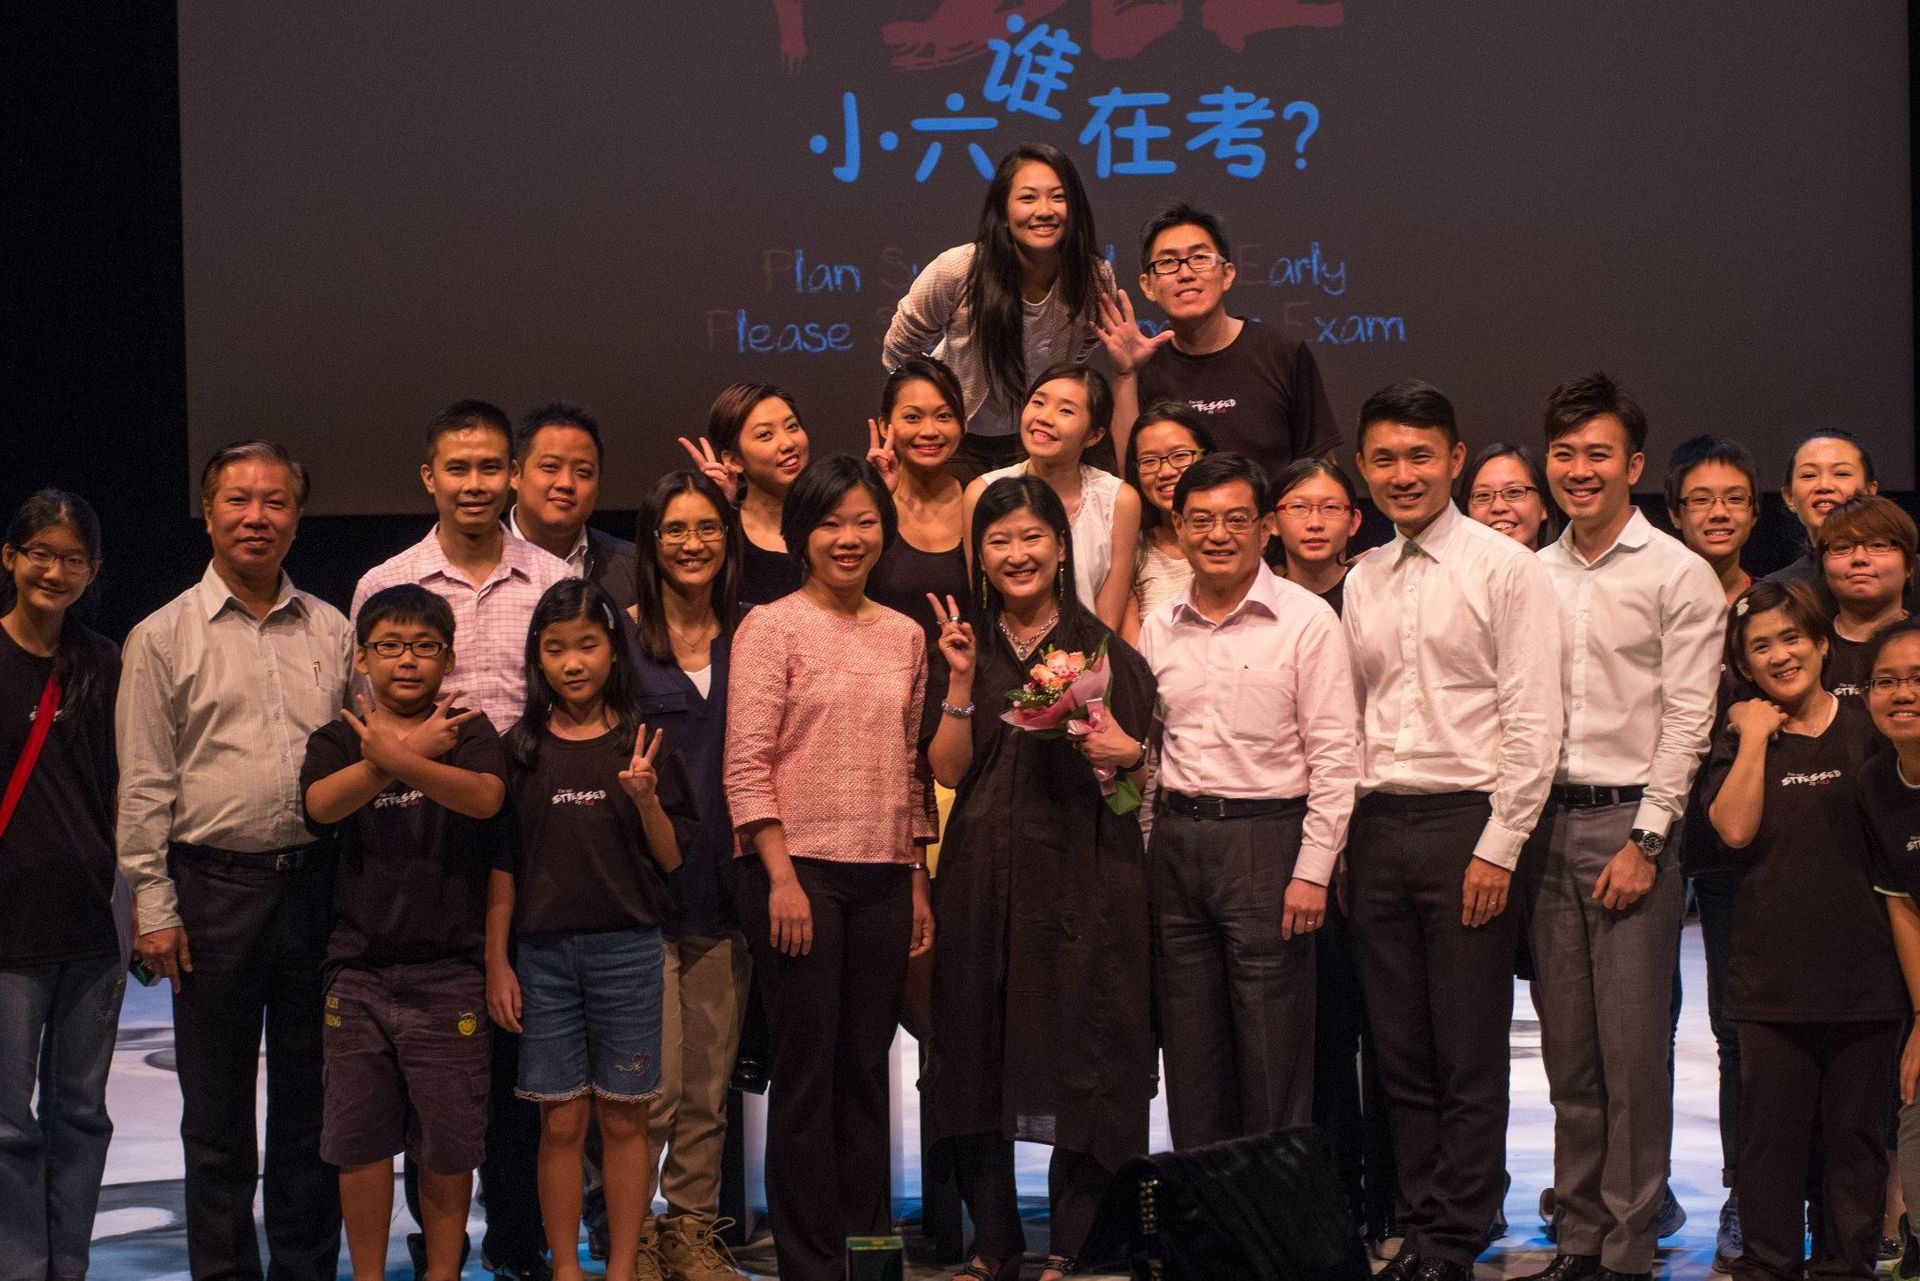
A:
1650,843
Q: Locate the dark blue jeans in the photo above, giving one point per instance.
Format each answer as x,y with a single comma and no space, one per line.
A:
57,1024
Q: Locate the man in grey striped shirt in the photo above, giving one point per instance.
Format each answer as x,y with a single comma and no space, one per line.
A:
232,899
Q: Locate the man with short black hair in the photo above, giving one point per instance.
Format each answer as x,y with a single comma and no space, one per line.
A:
1640,623
1456,656
1258,389
492,580
219,690
558,457
1257,770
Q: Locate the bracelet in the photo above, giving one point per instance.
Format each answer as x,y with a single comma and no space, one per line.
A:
958,713
1140,762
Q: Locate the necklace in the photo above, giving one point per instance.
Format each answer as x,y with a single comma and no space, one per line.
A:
1023,650
694,639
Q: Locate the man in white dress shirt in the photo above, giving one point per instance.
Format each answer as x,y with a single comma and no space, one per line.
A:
1456,658
1640,622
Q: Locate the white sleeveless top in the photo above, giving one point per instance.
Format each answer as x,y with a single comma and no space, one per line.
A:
1091,526
1158,577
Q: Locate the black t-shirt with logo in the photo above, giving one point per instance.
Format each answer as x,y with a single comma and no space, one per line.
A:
1845,671
1811,943
1890,808
580,860
1261,395
412,880
57,856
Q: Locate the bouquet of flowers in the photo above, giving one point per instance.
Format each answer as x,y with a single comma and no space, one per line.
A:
1065,696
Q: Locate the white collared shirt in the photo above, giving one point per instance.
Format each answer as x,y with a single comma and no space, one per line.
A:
1456,664
211,728
576,556
1259,705
1641,631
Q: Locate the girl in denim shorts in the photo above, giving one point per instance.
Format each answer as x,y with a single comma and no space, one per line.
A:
600,811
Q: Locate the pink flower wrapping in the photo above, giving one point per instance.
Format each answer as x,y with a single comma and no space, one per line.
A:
1065,695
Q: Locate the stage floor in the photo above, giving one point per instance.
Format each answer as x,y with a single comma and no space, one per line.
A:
140,1234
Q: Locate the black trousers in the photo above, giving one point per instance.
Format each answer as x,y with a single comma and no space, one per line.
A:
1823,1090
983,1165
257,936
1440,1002
832,1014
1236,1002
1348,1101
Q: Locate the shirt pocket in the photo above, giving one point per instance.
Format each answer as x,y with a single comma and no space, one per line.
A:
654,705
1263,702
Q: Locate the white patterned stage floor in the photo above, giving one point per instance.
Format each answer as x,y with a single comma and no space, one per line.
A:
140,1235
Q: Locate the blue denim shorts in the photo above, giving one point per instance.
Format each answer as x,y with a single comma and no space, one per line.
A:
590,1015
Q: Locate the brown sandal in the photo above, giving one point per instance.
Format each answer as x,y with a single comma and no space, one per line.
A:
1059,1263
978,1269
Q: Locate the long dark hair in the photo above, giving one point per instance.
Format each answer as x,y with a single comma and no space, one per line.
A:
81,654
1078,628
727,418
993,281
564,602
1181,415
655,642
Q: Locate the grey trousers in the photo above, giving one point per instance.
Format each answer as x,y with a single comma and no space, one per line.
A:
1604,989
1236,1003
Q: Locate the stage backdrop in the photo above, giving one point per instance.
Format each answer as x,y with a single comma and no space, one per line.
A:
631,204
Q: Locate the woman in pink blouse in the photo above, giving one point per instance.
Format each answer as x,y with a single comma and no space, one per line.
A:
823,721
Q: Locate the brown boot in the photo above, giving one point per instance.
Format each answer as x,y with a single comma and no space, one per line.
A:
648,1263
692,1252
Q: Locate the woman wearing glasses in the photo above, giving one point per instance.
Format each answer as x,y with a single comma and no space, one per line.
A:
687,581
1504,489
1866,550
62,966
1318,513
1167,439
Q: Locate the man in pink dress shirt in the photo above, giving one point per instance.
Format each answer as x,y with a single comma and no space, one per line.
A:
492,580
1258,762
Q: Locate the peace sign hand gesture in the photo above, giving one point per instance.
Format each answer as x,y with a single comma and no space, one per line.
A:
639,779
706,460
956,636
880,453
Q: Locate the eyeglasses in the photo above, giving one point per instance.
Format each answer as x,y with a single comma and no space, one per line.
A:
1738,501
1179,460
1510,495
44,558
1872,546
1300,509
1202,261
1235,522
1887,684
418,648
707,531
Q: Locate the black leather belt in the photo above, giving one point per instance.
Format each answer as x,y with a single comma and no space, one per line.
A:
1576,797
1225,807
290,859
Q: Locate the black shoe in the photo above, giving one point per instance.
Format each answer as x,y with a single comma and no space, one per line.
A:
1443,1270
535,1269
749,1076
1400,1267
1608,1274
417,1251
1567,1267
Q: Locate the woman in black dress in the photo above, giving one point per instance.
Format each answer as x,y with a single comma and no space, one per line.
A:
922,418
1041,1029
754,449
1812,980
